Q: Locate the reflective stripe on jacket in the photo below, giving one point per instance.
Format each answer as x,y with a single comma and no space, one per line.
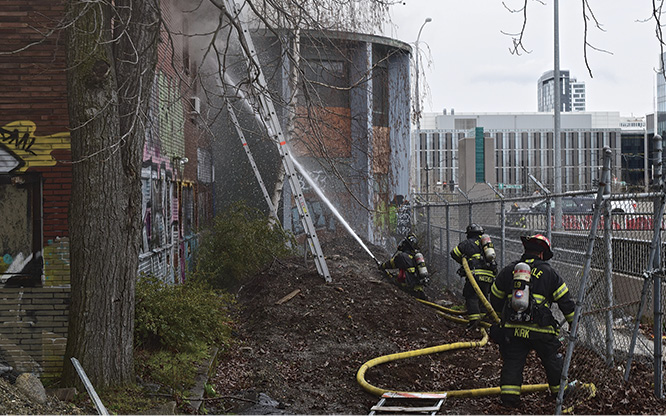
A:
471,249
546,286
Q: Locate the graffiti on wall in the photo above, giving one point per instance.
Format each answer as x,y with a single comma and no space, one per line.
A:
166,209
158,222
21,149
171,116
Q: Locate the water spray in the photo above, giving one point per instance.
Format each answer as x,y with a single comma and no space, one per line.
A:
335,211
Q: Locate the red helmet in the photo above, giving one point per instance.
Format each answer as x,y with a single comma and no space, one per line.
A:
538,243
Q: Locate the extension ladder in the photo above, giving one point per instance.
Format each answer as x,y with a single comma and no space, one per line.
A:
266,110
404,397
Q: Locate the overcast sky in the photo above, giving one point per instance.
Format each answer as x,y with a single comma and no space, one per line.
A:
468,65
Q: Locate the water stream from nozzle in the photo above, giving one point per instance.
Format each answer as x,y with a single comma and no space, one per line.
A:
335,211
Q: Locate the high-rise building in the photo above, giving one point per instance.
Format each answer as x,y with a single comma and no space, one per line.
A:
572,96
577,95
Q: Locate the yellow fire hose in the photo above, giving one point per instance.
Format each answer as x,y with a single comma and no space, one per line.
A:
360,375
451,315
478,292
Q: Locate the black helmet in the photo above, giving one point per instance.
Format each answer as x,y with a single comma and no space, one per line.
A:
474,230
537,243
410,242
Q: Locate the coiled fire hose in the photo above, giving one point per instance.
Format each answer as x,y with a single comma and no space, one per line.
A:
451,315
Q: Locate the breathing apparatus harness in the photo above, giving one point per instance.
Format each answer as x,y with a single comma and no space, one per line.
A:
488,248
522,301
523,307
410,245
484,260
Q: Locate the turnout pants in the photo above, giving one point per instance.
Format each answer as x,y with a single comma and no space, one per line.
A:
473,304
514,351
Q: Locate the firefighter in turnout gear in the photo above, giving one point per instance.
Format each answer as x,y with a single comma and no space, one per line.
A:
524,292
412,271
480,254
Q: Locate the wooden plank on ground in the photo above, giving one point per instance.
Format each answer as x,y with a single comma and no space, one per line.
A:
287,297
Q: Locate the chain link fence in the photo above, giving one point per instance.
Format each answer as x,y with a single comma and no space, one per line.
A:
607,247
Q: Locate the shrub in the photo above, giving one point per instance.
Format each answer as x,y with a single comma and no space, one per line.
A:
175,371
178,317
240,242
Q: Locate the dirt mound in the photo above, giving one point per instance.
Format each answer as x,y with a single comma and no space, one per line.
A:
300,355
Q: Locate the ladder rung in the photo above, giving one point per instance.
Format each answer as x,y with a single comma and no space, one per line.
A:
414,395
398,409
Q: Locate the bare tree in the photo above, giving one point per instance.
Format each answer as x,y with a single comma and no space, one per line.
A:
111,55
588,17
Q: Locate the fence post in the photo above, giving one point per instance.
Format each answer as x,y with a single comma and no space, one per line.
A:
444,253
428,242
608,274
573,334
502,223
657,265
654,261
448,245
549,210
469,203
441,248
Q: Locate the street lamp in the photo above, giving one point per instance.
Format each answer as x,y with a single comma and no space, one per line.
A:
418,100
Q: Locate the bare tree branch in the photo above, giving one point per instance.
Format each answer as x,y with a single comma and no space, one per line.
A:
517,38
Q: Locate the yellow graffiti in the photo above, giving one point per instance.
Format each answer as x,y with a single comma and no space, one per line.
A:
33,150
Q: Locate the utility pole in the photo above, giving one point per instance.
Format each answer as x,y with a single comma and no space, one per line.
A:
418,102
557,166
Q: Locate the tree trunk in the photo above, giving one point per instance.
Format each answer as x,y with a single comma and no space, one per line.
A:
111,66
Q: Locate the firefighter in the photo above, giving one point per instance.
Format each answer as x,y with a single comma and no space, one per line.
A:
523,292
483,269
412,271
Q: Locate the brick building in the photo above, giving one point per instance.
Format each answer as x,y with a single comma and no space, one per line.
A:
36,178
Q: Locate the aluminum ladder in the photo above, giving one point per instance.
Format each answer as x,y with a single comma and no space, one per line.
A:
404,397
269,116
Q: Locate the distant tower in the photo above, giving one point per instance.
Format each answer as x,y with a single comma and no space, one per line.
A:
577,95
573,92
